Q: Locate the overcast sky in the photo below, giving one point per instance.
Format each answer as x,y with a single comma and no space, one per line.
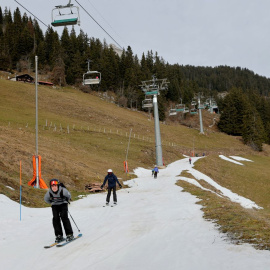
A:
188,32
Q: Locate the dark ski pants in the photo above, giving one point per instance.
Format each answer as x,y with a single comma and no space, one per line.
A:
110,189
60,212
155,174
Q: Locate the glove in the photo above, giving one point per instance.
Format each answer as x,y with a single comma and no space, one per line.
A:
101,186
66,199
120,186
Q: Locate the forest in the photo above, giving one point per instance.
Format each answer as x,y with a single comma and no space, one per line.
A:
242,96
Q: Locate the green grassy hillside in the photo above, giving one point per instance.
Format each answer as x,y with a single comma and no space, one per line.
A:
82,135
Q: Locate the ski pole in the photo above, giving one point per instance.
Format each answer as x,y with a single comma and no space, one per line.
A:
73,221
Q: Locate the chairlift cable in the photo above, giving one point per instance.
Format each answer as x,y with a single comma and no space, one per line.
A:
98,24
31,13
105,20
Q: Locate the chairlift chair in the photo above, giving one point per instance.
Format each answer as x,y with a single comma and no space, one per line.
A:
172,112
201,106
147,103
214,105
193,111
193,103
91,77
65,15
180,107
206,104
186,110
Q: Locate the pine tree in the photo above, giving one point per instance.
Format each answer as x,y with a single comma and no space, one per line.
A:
1,18
7,17
110,69
52,47
58,73
235,106
146,74
253,133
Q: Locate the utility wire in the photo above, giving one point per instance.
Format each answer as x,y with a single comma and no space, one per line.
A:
31,13
98,24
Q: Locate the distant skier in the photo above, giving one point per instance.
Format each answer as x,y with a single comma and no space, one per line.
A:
58,197
112,179
190,160
155,171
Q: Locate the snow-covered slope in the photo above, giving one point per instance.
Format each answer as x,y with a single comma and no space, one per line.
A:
154,226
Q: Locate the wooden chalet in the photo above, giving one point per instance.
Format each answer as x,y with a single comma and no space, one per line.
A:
30,79
25,78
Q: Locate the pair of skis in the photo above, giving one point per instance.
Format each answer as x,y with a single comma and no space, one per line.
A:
109,205
64,242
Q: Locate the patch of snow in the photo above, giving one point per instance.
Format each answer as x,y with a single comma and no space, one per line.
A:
240,158
229,159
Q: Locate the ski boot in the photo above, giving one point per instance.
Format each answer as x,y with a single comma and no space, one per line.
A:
59,238
70,237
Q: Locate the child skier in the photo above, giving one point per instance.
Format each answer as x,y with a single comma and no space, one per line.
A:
112,179
59,197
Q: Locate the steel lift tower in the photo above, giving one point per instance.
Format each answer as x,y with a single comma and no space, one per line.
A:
153,88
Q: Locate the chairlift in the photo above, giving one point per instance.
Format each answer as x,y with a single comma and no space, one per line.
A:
147,103
65,15
214,105
201,106
180,107
206,104
186,110
193,103
172,112
91,77
213,108
193,111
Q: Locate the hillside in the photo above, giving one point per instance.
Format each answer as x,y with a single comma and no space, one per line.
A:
82,135
97,138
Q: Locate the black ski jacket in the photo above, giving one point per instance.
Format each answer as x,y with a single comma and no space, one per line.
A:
112,179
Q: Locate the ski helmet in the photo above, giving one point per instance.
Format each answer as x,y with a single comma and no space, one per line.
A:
54,182
110,171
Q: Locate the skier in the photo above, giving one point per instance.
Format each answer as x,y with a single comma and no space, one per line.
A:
156,171
58,196
190,160
112,179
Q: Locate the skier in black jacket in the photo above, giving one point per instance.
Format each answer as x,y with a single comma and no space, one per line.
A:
58,197
112,179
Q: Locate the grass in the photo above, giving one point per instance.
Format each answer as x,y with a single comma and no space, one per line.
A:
250,181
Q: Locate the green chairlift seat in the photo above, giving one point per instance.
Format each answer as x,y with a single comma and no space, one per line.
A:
65,22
